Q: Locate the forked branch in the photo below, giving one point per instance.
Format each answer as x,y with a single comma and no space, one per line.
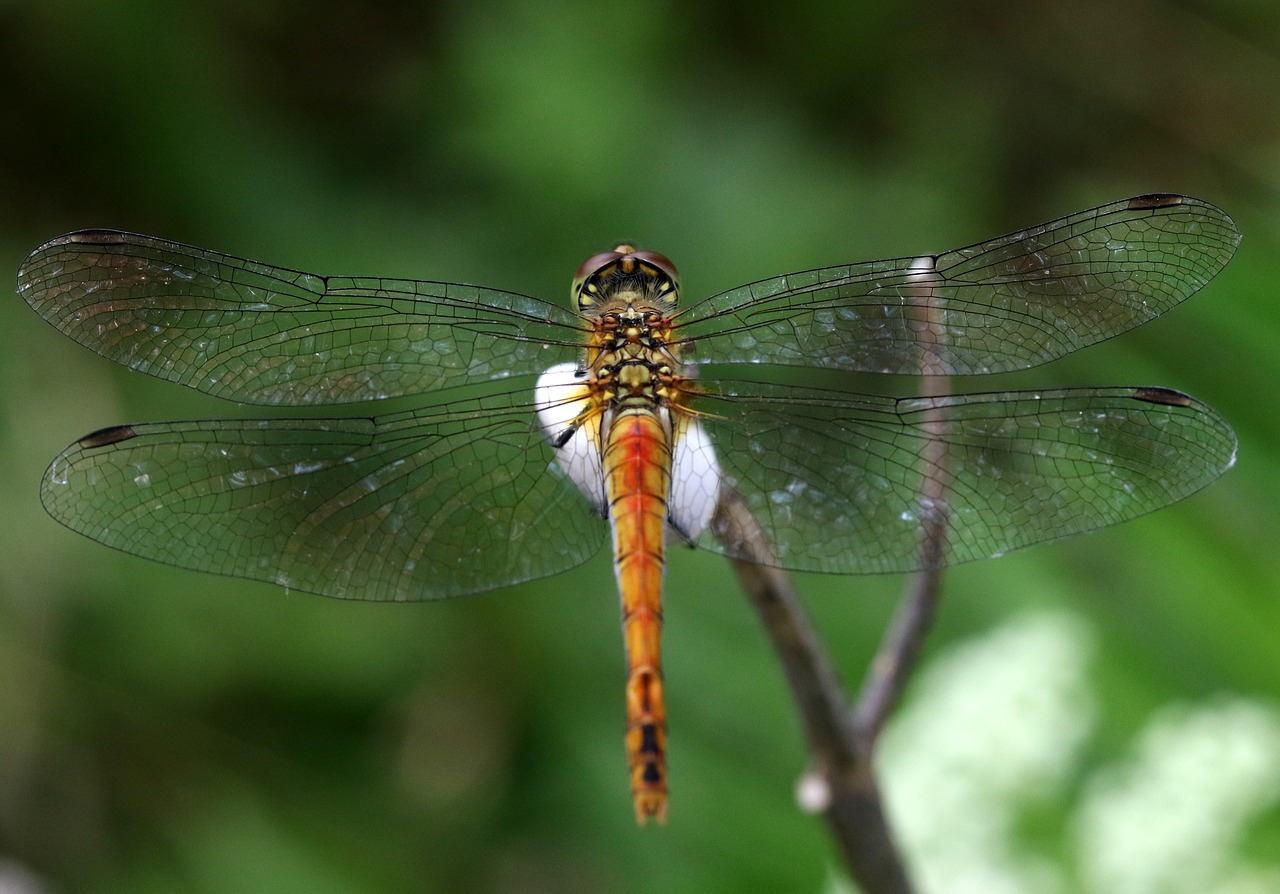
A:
842,783
841,741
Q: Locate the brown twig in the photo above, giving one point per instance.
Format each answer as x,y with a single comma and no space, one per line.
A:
900,647
842,741
897,655
842,766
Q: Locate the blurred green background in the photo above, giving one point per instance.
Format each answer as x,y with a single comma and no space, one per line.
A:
1096,715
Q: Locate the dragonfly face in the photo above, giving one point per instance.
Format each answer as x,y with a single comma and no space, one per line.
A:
625,275
628,298
627,410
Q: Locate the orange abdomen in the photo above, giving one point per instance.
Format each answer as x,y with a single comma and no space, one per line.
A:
637,466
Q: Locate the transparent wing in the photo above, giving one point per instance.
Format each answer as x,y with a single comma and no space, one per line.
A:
847,484
1009,303
259,334
418,505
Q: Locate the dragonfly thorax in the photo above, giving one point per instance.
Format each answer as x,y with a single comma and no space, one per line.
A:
629,358
628,296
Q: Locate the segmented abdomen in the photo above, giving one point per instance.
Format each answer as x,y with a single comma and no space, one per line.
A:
637,466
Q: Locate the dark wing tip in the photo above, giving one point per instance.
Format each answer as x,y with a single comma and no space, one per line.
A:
1216,429
104,437
1166,396
1156,200
93,236
86,237
77,237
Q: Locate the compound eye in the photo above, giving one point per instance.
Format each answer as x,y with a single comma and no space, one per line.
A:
662,262
595,262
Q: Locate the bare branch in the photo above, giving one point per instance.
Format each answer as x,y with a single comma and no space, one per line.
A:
849,796
900,647
842,783
896,657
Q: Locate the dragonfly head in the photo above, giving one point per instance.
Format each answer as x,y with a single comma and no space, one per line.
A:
626,276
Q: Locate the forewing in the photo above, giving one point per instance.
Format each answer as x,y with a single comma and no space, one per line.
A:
419,505
850,484
1008,303
259,334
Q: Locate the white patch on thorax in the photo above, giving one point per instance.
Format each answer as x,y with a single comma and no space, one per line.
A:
695,479
560,396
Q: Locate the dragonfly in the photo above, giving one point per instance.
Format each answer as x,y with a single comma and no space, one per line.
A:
538,431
